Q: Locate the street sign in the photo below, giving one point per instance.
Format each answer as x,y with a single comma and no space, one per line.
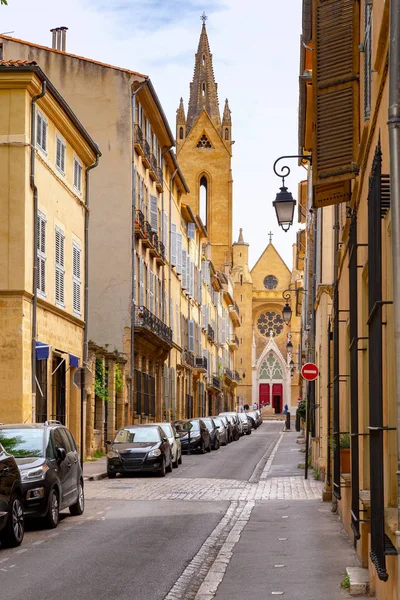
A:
83,378
309,371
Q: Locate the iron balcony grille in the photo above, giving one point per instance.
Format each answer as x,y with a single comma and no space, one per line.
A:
153,163
154,240
146,320
161,249
147,151
201,362
228,374
159,175
139,220
147,229
138,136
188,358
210,333
237,377
216,382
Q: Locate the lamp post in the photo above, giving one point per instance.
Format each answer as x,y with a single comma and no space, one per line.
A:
287,311
284,202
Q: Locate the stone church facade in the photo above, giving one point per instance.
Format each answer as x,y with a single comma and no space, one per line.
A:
267,366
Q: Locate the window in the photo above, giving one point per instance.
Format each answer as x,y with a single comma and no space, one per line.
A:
60,271
226,133
270,321
204,60
203,199
203,89
270,282
41,254
367,57
41,131
181,133
76,278
77,175
204,142
60,154
154,213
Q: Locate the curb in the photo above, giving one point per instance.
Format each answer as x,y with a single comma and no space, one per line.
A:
96,477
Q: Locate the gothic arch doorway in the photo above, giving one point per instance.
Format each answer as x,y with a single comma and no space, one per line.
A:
271,378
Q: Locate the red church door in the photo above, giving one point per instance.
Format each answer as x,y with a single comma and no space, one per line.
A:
263,394
277,393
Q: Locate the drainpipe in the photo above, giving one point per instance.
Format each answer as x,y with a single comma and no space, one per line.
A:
35,243
86,307
171,179
394,146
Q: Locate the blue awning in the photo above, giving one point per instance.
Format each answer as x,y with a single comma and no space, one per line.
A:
42,351
73,361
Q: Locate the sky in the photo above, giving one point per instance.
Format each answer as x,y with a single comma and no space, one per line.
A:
255,46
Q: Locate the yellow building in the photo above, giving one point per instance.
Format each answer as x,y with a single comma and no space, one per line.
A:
45,157
343,123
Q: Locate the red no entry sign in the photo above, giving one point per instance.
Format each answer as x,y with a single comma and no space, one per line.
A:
309,371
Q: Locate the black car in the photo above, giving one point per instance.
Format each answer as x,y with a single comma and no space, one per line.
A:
194,435
213,431
51,473
11,509
139,448
236,425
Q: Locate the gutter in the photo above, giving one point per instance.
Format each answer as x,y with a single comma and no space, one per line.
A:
171,179
35,243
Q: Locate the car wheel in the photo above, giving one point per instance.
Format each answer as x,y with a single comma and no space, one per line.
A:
216,445
202,448
209,446
111,475
169,468
53,512
249,432
176,463
162,471
13,534
180,459
236,436
79,506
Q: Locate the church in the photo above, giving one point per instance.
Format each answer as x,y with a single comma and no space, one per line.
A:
269,354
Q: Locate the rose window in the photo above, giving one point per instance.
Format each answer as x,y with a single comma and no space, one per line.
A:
270,321
270,282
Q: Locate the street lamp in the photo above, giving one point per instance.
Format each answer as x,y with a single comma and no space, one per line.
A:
287,311
284,202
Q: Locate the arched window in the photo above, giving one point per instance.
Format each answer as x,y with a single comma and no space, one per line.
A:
226,133
203,89
203,199
204,60
181,133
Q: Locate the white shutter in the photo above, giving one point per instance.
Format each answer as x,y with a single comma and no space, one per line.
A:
39,129
191,335
77,175
141,283
193,288
188,273
171,315
165,232
191,231
41,253
141,194
173,244
76,278
135,278
178,327
203,316
59,260
184,269
154,213
44,134
179,253
223,330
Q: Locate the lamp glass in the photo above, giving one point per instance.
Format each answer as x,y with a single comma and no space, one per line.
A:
284,204
286,313
289,346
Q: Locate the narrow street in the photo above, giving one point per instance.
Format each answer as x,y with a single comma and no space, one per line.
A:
217,525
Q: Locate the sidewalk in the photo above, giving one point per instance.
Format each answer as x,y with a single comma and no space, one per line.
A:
294,547
95,469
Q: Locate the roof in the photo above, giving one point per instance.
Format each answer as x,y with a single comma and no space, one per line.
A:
24,65
96,62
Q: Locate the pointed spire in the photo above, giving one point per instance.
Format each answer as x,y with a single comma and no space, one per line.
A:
226,119
180,114
203,89
240,239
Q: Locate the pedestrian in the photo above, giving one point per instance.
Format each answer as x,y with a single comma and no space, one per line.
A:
285,409
246,407
255,406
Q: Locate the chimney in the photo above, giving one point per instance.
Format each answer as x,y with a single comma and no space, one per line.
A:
59,36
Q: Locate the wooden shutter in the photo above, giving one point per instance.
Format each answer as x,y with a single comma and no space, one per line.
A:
165,232
335,84
141,193
173,244
77,175
154,213
184,269
41,253
141,282
44,134
171,315
190,231
191,336
76,278
59,260
179,253
39,129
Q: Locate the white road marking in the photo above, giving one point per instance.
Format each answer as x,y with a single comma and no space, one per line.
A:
282,539
21,551
279,566
37,543
3,560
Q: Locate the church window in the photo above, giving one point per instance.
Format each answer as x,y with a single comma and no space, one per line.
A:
204,60
270,321
181,133
270,282
241,298
203,199
271,368
203,89
226,133
204,142
241,280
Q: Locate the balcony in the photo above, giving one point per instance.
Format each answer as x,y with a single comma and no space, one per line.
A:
146,157
235,313
210,333
153,167
237,377
161,258
228,374
147,234
201,364
139,224
233,342
215,383
138,140
152,328
154,244
188,358
160,180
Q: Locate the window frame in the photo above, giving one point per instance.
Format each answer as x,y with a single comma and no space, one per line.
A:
59,267
41,221
45,122
76,279
79,163
63,153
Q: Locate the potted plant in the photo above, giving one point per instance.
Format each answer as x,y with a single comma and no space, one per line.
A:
345,453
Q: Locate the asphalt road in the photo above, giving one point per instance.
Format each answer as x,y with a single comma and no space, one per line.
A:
123,548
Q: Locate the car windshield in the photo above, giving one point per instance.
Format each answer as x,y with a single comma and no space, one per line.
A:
133,435
183,426
242,417
195,426
219,422
208,423
167,429
23,443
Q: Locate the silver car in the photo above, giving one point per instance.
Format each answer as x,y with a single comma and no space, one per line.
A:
174,442
246,425
223,430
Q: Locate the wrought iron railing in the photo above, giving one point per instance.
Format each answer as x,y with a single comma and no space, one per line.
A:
160,177
146,320
147,229
216,382
201,362
210,333
188,357
138,136
228,373
147,151
237,376
161,249
154,240
153,163
139,219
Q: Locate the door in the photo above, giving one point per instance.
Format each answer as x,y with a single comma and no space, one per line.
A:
277,392
58,384
7,478
264,394
64,467
75,464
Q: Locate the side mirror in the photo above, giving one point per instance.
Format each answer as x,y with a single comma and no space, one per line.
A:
61,454
108,442
165,439
177,436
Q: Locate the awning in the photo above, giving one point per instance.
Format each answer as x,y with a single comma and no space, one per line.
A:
73,361
42,351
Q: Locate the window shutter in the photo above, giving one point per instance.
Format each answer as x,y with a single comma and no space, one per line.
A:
173,244
165,232
179,253
184,269
58,153
154,213
190,231
41,253
178,328
141,194
141,283
39,129
135,266
76,278
335,81
223,330
171,315
59,260
191,336
77,175
44,135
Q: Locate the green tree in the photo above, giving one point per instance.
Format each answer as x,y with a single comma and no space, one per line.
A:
3,2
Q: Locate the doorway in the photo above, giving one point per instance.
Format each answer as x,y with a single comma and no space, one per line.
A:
264,394
58,385
277,392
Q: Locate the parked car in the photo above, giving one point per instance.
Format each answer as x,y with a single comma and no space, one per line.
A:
51,472
233,418
213,431
194,435
228,426
223,427
139,448
12,525
258,413
246,424
253,419
174,441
